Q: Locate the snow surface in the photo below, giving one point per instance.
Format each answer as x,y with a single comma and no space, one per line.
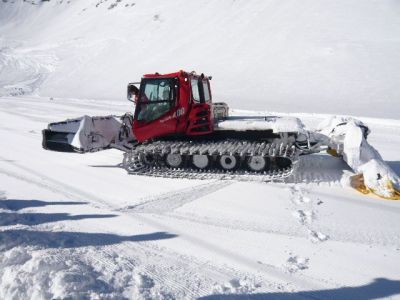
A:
76,225
274,123
79,227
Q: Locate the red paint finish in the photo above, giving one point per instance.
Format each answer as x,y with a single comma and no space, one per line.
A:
185,117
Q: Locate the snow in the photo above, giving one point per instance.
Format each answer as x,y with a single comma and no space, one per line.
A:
274,123
340,57
76,226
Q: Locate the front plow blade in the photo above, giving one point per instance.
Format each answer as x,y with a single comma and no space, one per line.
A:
88,134
58,141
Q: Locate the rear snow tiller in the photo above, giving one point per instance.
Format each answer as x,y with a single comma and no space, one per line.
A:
177,131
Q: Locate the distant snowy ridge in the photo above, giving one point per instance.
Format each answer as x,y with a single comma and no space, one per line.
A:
338,57
24,70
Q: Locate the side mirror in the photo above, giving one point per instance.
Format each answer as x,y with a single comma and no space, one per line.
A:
132,92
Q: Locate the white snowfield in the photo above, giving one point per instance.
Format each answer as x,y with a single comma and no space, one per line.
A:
78,226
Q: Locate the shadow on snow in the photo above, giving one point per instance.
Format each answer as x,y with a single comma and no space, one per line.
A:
45,239
379,288
8,219
63,239
14,204
395,165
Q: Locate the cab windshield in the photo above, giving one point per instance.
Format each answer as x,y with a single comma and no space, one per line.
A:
157,97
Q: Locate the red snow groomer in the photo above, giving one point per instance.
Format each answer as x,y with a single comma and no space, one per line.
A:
178,131
176,125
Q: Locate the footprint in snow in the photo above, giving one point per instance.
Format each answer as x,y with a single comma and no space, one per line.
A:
316,236
297,263
303,199
298,196
303,216
238,286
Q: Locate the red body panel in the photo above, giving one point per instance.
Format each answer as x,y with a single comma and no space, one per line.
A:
186,116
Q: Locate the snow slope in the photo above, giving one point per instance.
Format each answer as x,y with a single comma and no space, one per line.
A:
77,226
296,56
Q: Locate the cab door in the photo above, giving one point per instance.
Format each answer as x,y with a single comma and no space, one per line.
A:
155,113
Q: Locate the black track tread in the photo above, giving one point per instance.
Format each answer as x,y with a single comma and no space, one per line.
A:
135,165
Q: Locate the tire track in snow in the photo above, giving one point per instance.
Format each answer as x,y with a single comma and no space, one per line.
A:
189,270
232,225
142,260
275,276
187,277
38,183
52,184
109,251
270,273
104,255
73,193
168,202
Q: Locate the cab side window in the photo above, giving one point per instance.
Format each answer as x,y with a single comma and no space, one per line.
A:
200,90
206,89
195,90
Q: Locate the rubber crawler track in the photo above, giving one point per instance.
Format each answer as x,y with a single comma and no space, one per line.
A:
135,161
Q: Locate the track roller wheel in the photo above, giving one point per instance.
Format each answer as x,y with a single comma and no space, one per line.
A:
256,163
200,161
174,160
148,159
228,162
